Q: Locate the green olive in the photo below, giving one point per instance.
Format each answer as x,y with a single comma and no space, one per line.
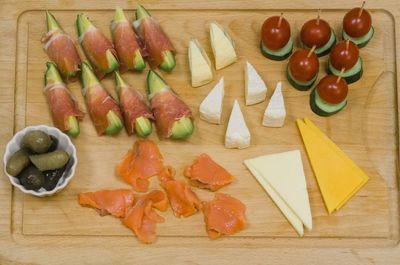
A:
50,161
31,178
17,162
36,141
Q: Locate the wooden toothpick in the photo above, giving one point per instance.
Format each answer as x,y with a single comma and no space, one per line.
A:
280,20
361,9
318,16
347,44
311,51
340,75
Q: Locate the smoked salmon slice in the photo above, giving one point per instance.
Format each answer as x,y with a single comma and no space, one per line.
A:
114,202
142,162
205,173
184,202
61,49
141,217
224,215
126,43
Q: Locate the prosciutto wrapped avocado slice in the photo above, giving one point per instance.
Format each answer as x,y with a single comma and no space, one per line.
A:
64,109
98,49
61,49
157,44
103,109
137,114
173,116
126,43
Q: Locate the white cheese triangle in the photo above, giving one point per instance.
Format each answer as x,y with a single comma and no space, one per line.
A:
255,88
199,64
275,113
211,106
237,134
222,45
284,173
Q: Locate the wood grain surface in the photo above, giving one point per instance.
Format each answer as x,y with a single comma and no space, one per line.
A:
57,230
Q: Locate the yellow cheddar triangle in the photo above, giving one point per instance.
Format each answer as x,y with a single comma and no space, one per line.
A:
338,177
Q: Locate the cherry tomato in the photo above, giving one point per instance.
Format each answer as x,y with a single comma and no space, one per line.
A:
340,57
303,68
275,37
315,34
332,91
356,26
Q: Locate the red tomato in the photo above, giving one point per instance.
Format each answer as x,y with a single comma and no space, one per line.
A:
303,68
275,37
315,34
356,26
331,91
340,57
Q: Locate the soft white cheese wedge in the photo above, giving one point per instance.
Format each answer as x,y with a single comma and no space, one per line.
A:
275,113
255,88
211,106
282,176
237,134
199,64
222,45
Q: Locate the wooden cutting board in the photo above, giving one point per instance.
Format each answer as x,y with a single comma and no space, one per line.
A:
57,230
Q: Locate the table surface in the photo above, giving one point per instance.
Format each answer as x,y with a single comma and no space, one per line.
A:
13,251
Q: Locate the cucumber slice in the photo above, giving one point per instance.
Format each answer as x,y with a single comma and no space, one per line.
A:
278,55
323,108
362,41
352,75
302,86
324,50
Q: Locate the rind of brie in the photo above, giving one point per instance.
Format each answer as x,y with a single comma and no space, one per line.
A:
275,113
199,64
255,88
237,134
211,106
223,46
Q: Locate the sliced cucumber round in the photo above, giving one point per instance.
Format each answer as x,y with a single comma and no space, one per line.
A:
324,50
278,55
323,108
302,86
362,41
352,75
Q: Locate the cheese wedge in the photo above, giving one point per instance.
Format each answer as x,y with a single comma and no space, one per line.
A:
211,106
237,134
275,113
282,176
338,177
223,46
199,64
255,88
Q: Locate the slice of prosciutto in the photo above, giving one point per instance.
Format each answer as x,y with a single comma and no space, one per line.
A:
62,105
126,43
155,40
61,49
168,108
224,215
99,103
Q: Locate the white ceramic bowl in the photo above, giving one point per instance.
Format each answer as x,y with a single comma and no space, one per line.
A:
64,143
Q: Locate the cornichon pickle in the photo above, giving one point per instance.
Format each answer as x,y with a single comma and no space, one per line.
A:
36,141
51,178
31,178
50,161
17,162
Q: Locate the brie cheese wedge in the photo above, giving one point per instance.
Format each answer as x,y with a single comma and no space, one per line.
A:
255,88
237,134
199,64
222,45
282,176
275,113
211,106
